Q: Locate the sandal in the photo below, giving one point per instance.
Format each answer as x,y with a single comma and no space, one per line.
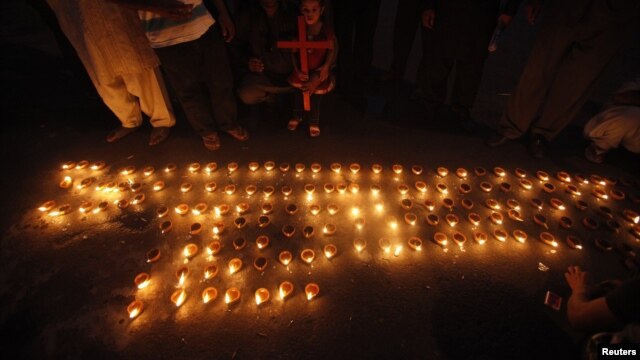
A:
158,135
314,130
239,133
119,133
211,141
293,124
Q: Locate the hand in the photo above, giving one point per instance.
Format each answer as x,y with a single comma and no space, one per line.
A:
313,83
172,9
227,28
533,10
576,279
324,73
256,65
302,76
505,19
428,17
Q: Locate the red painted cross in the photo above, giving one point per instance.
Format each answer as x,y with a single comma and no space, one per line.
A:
303,44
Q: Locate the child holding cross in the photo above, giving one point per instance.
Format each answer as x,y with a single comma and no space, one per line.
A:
319,80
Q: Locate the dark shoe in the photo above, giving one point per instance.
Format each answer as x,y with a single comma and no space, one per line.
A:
594,154
464,118
239,133
537,146
119,133
211,142
496,140
159,134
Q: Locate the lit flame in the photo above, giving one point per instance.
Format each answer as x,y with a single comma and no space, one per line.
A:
398,250
285,289
135,308
178,297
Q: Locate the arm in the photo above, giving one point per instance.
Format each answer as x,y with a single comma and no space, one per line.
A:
226,24
429,14
171,9
583,313
533,8
332,56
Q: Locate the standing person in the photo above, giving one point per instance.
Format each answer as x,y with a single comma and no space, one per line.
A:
407,22
119,61
194,56
264,68
319,81
355,25
460,31
576,40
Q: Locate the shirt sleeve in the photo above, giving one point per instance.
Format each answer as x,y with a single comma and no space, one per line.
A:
624,301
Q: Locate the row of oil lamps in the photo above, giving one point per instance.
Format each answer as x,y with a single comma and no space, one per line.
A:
354,168
231,296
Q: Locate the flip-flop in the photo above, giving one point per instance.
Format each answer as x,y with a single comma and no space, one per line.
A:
158,135
211,141
314,130
239,133
119,133
293,124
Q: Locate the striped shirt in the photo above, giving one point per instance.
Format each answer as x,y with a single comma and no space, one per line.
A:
162,31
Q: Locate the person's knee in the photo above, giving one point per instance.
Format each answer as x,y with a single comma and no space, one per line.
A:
250,96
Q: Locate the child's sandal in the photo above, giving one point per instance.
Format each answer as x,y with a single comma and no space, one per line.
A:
293,124
314,130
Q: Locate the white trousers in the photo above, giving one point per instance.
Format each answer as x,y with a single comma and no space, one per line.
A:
618,125
127,95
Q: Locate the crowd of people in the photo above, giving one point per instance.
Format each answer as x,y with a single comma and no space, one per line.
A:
214,58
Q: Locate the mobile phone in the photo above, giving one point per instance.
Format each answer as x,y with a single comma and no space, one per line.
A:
553,300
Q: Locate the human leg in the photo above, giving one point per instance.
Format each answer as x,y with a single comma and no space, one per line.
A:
219,81
592,50
314,115
152,94
181,63
548,50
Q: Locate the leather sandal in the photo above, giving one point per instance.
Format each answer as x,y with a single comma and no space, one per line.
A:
314,130
119,133
211,141
159,134
239,133
293,124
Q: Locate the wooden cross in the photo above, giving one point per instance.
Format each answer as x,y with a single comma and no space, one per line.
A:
303,44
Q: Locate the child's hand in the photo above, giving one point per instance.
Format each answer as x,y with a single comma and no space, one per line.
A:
256,65
576,279
302,76
324,73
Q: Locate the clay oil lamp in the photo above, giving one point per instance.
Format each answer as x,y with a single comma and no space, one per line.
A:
440,239
211,167
359,244
330,251
209,294
231,296
262,296
311,290
285,289
415,243
135,308
285,257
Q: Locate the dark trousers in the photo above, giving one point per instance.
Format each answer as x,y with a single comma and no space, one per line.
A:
435,76
355,25
200,74
564,63
408,17
314,113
